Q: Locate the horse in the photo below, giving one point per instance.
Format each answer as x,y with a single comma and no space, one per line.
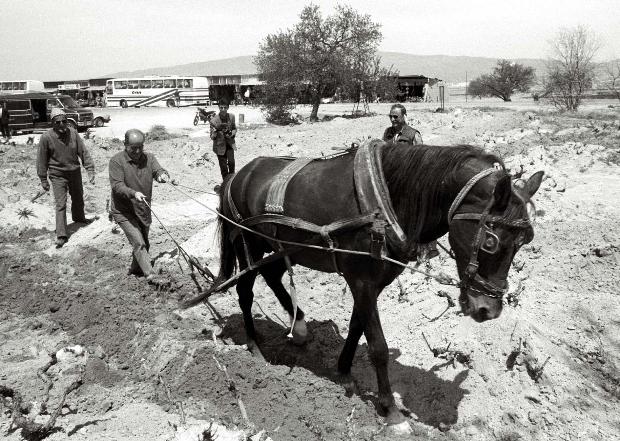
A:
434,190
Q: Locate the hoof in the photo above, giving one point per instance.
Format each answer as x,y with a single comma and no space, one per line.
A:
399,429
300,333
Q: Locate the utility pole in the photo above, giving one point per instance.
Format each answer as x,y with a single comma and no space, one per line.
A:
466,84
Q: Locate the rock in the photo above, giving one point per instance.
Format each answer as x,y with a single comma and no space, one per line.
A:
533,395
105,406
54,307
444,427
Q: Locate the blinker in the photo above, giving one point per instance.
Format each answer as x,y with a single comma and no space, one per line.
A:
490,242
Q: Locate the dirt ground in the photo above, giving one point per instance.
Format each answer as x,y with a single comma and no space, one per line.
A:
547,369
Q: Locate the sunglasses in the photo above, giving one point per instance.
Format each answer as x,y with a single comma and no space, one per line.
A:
393,116
60,121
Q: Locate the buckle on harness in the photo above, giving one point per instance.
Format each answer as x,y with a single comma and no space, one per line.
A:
377,237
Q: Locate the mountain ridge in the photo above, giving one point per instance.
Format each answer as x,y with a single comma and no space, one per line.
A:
450,68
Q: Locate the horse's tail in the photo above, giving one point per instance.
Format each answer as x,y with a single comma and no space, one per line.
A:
228,262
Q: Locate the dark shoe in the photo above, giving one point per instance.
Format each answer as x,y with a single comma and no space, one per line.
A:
217,188
135,272
60,242
84,221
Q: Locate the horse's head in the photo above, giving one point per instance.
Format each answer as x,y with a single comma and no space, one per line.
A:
488,225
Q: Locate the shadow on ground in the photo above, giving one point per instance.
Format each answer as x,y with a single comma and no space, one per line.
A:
432,399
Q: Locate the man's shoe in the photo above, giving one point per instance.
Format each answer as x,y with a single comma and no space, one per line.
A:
85,221
60,242
217,188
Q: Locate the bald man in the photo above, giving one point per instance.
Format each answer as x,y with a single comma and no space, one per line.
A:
131,177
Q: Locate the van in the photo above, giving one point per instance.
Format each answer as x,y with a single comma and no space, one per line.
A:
30,112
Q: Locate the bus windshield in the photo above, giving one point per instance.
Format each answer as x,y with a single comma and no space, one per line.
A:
68,102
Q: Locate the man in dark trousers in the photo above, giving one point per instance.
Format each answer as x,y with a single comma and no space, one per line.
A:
4,121
399,131
131,177
223,131
60,151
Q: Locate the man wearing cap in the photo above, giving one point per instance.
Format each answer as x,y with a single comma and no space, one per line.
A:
131,177
60,151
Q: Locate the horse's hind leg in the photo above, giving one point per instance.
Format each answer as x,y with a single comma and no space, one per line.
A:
272,273
245,294
246,299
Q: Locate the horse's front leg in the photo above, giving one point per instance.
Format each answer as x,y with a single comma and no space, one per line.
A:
366,305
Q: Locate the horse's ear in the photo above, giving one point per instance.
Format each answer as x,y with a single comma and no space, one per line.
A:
501,193
533,183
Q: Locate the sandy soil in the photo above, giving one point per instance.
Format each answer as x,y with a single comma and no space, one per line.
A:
151,372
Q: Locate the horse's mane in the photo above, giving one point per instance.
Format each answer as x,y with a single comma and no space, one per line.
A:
421,180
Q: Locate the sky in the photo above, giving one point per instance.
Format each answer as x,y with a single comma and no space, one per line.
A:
80,39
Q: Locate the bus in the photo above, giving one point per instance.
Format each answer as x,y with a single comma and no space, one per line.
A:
157,90
21,86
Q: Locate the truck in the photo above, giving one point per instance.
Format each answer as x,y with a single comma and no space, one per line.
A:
30,112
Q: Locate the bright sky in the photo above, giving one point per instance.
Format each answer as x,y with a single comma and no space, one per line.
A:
80,39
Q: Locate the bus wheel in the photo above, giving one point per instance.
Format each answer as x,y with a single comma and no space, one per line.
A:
171,103
123,104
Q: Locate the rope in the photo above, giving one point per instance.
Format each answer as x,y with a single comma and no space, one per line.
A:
176,184
190,260
442,278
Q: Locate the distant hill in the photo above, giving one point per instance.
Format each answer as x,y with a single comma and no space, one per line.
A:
451,69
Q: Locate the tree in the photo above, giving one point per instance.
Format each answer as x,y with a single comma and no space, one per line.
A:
506,79
570,69
318,55
612,77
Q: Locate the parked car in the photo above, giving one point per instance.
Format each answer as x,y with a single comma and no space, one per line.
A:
99,119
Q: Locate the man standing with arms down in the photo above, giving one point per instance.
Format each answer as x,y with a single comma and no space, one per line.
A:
131,177
399,131
59,150
223,131
4,121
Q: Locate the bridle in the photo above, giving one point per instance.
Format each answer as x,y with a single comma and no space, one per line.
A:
485,237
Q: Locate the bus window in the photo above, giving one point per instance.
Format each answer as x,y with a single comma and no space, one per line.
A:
133,84
108,88
9,86
120,84
179,83
21,85
158,84
169,83
145,84
188,83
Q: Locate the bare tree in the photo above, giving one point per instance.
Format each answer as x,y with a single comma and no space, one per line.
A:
612,77
570,69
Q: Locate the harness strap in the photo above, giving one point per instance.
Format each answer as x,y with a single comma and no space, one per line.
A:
229,199
517,223
470,184
293,222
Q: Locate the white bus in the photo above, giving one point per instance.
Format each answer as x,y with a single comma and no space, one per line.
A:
21,86
169,90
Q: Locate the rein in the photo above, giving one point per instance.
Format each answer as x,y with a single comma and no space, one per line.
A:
442,278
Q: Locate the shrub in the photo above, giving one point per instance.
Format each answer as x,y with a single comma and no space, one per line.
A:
158,133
